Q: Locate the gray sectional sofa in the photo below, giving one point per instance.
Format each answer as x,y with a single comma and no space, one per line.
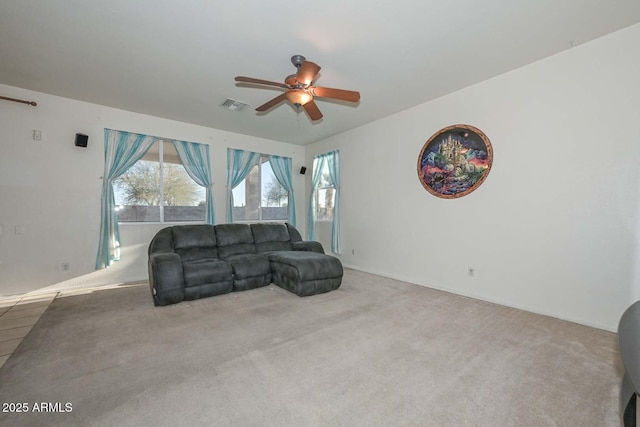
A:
188,262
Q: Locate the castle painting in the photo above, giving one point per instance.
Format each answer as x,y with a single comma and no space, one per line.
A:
455,161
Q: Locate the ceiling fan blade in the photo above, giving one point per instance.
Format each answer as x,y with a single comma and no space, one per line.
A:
307,72
341,94
261,82
312,110
270,104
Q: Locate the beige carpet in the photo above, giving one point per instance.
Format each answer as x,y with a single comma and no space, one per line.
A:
376,352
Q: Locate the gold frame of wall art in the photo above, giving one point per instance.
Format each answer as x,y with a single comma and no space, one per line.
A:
455,161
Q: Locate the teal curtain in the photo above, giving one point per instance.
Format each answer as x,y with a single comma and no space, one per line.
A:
195,159
282,171
333,163
318,166
121,151
239,163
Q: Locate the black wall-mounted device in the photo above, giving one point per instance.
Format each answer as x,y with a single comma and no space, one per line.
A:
81,140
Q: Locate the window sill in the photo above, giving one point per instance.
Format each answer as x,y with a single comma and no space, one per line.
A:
168,224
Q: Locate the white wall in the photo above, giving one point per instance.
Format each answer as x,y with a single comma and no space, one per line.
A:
51,189
553,229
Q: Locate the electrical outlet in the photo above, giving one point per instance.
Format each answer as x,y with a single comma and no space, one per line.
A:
472,272
37,135
65,266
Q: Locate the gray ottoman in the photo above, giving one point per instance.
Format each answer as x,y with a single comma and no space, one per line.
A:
305,273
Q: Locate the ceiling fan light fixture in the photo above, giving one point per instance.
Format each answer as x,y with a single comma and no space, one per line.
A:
291,80
298,96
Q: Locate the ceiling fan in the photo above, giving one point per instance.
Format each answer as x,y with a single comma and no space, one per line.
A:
300,90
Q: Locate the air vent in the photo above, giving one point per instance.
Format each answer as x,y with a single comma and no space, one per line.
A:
234,105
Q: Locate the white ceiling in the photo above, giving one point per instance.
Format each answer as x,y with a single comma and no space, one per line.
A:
178,59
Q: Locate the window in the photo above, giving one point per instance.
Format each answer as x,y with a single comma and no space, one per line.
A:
325,196
159,189
260,197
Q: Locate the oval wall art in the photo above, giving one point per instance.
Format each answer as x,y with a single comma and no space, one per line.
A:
455,161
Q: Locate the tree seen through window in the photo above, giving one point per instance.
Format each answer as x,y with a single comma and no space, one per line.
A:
159,189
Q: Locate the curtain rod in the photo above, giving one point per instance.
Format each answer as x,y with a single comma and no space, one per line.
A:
33,103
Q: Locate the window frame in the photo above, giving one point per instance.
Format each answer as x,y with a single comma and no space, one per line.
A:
264,158
161,205
317,194
317,197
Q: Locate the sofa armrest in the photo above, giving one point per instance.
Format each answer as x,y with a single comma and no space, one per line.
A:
166,278
308,245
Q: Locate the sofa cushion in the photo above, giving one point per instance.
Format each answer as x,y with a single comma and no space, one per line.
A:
306,265
249,265
271,237
189,236
234,239
206,271
193,242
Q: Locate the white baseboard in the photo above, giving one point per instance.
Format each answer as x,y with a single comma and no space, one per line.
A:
444,288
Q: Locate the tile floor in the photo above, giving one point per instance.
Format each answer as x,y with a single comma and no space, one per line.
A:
17,317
